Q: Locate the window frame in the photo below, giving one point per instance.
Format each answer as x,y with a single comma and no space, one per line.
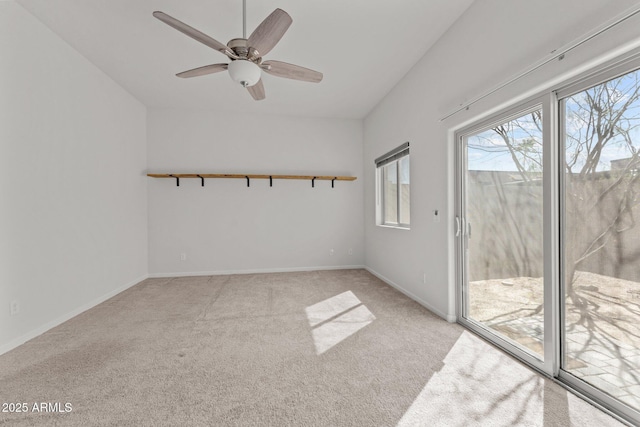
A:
382,163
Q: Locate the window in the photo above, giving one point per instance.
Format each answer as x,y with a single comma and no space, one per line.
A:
393,188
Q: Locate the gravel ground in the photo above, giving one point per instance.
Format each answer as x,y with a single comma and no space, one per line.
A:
604,304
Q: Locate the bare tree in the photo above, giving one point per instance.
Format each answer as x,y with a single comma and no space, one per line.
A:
526,148
597,120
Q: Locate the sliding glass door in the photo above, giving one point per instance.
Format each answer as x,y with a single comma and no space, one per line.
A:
548,234
601,256
502,228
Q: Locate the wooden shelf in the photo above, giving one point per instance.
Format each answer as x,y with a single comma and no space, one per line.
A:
248,177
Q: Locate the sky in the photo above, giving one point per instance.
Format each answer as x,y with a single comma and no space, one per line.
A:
488,151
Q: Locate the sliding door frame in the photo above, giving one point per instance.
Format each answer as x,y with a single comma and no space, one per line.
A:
553,225
602,74
549,363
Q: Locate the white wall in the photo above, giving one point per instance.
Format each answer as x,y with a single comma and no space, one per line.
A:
74,220
72,185
491,42
227,227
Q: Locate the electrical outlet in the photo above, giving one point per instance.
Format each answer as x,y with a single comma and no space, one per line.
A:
15,307
350,251
183,256
331,252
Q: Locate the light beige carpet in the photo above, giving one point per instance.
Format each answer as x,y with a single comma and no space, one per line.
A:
325,348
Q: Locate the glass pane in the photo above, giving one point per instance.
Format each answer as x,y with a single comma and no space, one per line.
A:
405,190
390,192
504,214
602,237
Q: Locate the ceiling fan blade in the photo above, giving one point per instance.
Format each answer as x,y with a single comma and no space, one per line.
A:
257,91
191,32
290,71
203,71
270,31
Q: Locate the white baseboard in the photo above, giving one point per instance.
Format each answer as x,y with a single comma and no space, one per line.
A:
448,317
255,271
52,324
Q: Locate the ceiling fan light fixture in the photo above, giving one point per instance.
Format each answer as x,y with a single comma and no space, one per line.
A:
246,54
244,72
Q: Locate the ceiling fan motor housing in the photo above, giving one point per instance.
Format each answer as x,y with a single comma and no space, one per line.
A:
240,48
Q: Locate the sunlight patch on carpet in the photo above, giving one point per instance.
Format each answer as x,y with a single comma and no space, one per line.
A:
337,318
478,382
480,385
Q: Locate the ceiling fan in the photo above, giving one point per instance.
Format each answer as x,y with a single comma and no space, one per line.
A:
246,54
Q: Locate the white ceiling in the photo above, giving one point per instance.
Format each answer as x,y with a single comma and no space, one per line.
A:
363,47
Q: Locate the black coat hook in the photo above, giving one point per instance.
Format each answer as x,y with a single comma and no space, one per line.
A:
333,180
313,182
201,179
248,183
177,180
